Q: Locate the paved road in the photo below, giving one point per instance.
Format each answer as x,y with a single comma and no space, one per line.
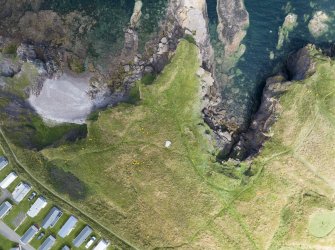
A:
11,235
5,195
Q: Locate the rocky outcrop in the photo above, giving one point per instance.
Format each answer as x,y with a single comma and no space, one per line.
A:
137,13
299,66
233,22
319,24
9,68
251,141
186,17
290,23
191,16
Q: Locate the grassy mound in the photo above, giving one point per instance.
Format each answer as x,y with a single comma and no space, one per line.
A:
321,224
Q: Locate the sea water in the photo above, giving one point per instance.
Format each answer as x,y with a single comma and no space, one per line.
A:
112,18
262,58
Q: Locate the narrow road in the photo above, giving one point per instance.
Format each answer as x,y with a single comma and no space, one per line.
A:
8,233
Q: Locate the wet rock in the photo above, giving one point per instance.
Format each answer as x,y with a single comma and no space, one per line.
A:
233,22
164,40
26,52
192,17
300,64
8,68
318,25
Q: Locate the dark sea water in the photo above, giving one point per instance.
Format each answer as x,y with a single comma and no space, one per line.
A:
112,17
241,92
266,16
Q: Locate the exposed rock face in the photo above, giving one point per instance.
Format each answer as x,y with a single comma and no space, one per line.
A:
291,21
8,68
233,22
192,16
137,13
299,66
252,140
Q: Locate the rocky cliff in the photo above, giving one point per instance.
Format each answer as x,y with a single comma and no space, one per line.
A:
191,15
56,43
233,22
299,66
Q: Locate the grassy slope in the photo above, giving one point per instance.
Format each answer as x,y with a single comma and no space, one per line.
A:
298,167
155,196
151,195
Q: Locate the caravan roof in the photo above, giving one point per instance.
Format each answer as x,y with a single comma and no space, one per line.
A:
103,244
3,162
48,243
68,227
5,208
51,219
82,236
29,234
38,205
8,180
21,191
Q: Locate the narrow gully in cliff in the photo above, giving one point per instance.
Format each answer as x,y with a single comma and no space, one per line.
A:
242,86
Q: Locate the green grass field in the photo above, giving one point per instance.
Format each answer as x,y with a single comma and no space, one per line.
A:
156,198
134,183
321,224
6,244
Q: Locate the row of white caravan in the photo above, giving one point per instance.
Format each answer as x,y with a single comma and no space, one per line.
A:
20,192
50,221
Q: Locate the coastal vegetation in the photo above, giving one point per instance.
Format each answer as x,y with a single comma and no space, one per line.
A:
129,182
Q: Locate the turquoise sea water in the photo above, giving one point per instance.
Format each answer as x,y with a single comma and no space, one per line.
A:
266,16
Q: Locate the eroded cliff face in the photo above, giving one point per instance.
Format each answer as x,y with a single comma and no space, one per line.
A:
53,35
233,23
192,17
299,66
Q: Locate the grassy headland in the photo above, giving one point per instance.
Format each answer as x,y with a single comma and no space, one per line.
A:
158,197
